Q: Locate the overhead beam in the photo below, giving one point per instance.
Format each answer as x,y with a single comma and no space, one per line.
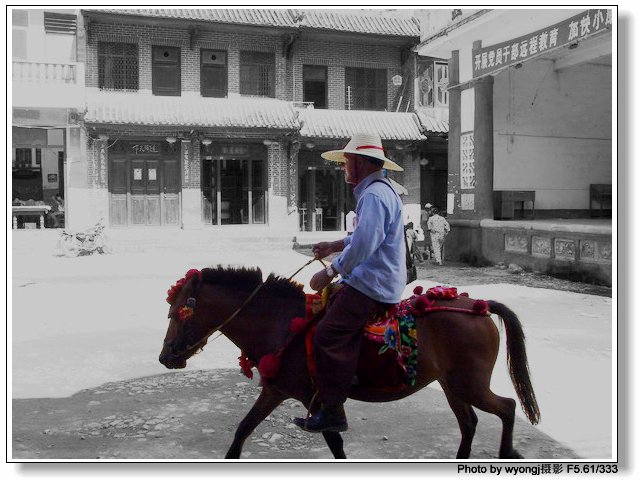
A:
584,54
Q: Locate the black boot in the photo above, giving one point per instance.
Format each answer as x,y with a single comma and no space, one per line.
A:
328,418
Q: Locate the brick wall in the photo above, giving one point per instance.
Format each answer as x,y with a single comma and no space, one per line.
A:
337,56
146,36
289,81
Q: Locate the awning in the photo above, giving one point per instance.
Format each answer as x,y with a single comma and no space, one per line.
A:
431,124
343,124
118,108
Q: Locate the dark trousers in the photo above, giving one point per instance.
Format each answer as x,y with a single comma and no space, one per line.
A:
338,340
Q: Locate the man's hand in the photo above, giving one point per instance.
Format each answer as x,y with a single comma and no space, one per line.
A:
320,280
324,249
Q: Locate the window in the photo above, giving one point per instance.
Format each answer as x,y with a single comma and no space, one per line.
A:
433,82
60,23
213,73
441,84
257,74
38,157
366,89
166,70
117,66
23,159
20,18
315,85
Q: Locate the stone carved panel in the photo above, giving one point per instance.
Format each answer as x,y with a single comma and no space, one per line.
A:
515,242
605,251
565,249
541,246
588,250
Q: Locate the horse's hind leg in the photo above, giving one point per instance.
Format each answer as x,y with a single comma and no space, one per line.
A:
335,443
479,395
466,418
267,401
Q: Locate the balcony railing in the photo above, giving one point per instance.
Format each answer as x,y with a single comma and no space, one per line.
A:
48,73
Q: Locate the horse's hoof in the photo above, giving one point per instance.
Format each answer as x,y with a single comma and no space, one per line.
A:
514,455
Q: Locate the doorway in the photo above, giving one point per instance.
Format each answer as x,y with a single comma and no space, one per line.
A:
324,199
144,192
234,191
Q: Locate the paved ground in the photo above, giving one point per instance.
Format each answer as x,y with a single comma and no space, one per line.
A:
193,415
105,394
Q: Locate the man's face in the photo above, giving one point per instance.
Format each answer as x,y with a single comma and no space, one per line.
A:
350,169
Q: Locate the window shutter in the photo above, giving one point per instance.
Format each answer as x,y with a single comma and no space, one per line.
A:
60,23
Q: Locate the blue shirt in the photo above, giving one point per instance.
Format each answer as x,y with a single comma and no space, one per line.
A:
373,260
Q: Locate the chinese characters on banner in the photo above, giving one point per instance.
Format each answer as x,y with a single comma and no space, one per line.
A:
186,163
494,57
467,160
102,164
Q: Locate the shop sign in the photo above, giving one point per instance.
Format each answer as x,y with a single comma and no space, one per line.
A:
234,149
145,148
495,57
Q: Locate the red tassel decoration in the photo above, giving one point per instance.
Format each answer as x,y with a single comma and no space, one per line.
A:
480,307
246,365
298,325
269,365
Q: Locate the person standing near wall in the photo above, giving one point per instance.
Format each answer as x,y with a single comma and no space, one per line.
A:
439,229
423,223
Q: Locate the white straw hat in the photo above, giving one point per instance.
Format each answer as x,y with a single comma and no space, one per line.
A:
362,144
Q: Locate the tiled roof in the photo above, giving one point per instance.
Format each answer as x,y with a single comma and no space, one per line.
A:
342,124
431,124
137,109
332,20
359,23
244,16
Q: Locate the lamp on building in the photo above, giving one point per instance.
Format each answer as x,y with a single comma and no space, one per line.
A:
309,145
170,140
573,46
518,65
267,142
206,142
103,137
424,162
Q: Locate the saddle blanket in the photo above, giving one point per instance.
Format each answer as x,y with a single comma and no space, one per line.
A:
388,358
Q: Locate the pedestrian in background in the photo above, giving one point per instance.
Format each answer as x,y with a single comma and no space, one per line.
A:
423,223
439,229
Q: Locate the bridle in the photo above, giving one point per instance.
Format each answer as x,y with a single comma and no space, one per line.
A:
204,339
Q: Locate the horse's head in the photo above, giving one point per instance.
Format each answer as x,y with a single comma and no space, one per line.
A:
188,324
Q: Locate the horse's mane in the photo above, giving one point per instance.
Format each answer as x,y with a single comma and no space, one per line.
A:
243,278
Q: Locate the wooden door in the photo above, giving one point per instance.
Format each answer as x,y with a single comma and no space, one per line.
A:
145,192
118,188
170,199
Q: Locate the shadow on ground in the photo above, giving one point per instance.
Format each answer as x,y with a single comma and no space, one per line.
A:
193,415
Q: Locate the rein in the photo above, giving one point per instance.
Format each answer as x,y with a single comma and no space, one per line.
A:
245,303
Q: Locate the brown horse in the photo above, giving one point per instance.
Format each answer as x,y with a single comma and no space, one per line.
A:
456,349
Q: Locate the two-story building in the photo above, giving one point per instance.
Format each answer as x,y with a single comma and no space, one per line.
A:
218,117
47,94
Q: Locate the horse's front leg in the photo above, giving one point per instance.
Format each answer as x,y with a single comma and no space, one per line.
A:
335,443
268,400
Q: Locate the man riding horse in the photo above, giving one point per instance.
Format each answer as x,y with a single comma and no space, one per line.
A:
373,269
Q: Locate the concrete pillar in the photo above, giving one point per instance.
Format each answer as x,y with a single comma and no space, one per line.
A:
484,148
191,186
453,205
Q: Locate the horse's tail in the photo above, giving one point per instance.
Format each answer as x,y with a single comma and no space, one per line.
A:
516,358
